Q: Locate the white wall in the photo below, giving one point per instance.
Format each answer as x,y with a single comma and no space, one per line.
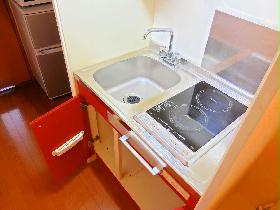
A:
97,30
191,22
262,12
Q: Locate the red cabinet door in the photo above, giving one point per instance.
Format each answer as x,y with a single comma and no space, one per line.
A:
62,135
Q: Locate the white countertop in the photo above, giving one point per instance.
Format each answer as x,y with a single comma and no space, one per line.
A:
199,174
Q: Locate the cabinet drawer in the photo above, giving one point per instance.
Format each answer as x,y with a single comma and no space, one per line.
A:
153,163
53,70
136,146
43,29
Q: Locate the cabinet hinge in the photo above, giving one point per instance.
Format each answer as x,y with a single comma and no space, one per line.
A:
83,105
91,142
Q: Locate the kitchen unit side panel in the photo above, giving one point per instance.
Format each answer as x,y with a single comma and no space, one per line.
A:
104,145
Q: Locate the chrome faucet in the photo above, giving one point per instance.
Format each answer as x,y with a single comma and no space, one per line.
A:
167,55
169,30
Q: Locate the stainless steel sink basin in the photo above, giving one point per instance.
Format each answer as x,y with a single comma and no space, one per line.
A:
136,79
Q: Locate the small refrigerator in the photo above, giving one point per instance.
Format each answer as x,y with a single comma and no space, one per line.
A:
37,28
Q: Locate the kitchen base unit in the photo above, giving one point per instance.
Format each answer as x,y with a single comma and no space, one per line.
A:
73,132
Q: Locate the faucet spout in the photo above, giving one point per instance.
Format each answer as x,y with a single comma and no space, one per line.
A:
169,30
167,55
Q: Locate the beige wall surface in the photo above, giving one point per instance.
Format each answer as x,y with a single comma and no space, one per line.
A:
246,35
191,22
262,12
94,31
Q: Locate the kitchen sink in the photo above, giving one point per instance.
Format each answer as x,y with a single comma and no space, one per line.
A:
136,79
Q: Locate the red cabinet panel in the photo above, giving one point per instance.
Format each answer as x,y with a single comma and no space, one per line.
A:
93,99
183,208
57,127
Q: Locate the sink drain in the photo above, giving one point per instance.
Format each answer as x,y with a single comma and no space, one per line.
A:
131,99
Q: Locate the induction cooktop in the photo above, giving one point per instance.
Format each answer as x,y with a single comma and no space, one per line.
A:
192,121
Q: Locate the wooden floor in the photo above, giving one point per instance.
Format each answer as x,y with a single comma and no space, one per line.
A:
24,179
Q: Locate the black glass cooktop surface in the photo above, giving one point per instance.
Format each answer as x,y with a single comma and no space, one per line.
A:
198,114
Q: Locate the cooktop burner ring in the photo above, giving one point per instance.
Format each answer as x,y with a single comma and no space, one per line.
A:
183,121
215,101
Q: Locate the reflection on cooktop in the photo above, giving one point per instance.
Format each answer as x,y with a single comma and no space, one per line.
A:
213,100
197,114
182,118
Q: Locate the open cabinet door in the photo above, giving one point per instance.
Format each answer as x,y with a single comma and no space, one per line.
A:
63,135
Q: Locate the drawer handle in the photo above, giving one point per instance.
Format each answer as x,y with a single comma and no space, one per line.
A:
154,171
69,144
161,164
